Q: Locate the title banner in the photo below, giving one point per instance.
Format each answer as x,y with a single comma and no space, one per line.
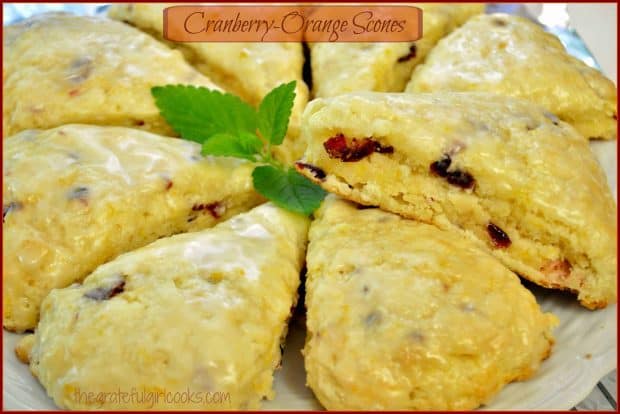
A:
292,23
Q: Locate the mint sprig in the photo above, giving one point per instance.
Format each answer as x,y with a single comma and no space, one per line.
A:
198,113
287,188
274,113
244,145
227,126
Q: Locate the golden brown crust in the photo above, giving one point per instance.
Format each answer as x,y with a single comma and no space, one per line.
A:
510,55
60,68
199,311
498,170
403,315
112,189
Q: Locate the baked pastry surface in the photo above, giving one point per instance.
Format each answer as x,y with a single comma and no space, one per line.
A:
405,316
501,171
59,68
77,196
339,68
200,314
513,56
247,69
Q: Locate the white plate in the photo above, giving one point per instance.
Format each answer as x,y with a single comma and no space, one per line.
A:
585,351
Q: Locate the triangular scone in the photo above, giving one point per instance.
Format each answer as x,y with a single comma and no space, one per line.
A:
59,69
339,68
77,196
249,70
200,313
512,56
405,316
497,169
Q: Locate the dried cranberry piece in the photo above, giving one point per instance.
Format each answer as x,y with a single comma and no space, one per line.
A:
499,237
216,209
337,147
412,53
460,178
318,173
360,148
441,166
387,149
457,177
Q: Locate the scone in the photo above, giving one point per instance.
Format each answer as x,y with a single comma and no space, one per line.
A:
249,70
405,316
77,196
501,171
200,314
513,56
59,69
339,68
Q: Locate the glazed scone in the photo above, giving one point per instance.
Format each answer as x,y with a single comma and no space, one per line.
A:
60,69
203,313
339,68
77,196
249,70
513,56
405,316
499,170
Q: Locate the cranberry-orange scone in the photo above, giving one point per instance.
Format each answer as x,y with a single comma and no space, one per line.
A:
247,69
405,316
499,170
201,313
77,196
59,68
344,67
513,56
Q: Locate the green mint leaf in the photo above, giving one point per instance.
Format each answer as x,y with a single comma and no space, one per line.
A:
274,112
244,145
226,126
197,113
288,189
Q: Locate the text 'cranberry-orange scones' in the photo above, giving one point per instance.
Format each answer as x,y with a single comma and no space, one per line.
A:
77,196
202,313
403,315
59,68
501,171
513,56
